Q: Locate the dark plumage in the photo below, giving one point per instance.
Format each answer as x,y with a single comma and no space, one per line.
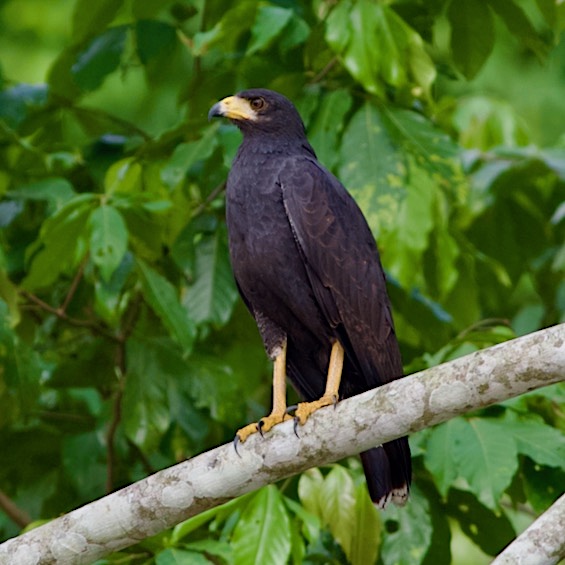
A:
308,269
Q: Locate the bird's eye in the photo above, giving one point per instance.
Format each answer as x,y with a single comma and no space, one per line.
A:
257,103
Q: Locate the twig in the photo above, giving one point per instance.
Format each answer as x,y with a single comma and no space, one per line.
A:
16,514
74,286
210,198
62,315
321,74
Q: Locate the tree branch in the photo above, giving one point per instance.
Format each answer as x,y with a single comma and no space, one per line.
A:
543,543
356,424
16,514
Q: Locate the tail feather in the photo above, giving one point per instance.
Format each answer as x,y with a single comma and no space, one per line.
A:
388,470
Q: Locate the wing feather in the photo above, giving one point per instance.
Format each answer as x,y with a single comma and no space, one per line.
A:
343,264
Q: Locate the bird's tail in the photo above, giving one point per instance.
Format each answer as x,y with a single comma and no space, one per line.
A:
388,470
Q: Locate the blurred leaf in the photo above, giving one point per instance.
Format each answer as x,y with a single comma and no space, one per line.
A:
17,102
174,556
490,531
154,38
55,252
90,19
262,534
144,405
187,154
269,22
366,533
57,191
101,57
378,48
409,531
162,297
212,295
519,25
472,35
324,131
108,240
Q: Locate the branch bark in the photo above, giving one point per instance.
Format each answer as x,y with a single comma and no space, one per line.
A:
543,543
399,408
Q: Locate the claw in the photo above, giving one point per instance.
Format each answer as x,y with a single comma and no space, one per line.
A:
296,422
260,425
291,408
236,441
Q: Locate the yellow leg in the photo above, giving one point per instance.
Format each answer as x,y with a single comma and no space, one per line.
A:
331,394
278,413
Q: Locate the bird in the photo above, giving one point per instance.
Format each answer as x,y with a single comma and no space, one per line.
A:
308,269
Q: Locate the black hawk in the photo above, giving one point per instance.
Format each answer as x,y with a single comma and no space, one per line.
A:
308,269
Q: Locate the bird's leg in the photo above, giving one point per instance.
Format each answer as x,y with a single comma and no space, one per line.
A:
331,394
278,413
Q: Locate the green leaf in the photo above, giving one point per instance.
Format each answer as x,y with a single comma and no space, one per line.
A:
212,295
154,39
188,154
541,443
337,504
409,531
378,48
439,456
269,22
162,297
124,177
145,410
366,532
472,35
18,102
517,22
323,133
56,191
176,556
91,18
490,531
262,534
60,246
84,458
486,456
108,240
101,57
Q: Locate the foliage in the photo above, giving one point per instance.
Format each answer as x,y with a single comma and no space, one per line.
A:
124,346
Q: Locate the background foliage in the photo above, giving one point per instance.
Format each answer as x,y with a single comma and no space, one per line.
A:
123,343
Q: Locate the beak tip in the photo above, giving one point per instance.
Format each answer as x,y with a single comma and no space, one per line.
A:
215,111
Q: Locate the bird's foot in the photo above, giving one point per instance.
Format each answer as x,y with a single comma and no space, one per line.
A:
262,426
306,409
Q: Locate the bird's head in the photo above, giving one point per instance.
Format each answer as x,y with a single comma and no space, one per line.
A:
259,110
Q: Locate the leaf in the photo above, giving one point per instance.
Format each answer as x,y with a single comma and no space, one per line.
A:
188,154
472,35
485,456
18,102
324,131
490,531
517,22
366,533
59,247
176,556
124,177
101,57
154,39
262,534
337,504
541,443
108,240
310,486
439,456
144,405
269,22
212,295
162,297
378,48
409,531
91,18
57,191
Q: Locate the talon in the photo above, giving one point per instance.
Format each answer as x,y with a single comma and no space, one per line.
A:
236,441
296,422
291,408
260,426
